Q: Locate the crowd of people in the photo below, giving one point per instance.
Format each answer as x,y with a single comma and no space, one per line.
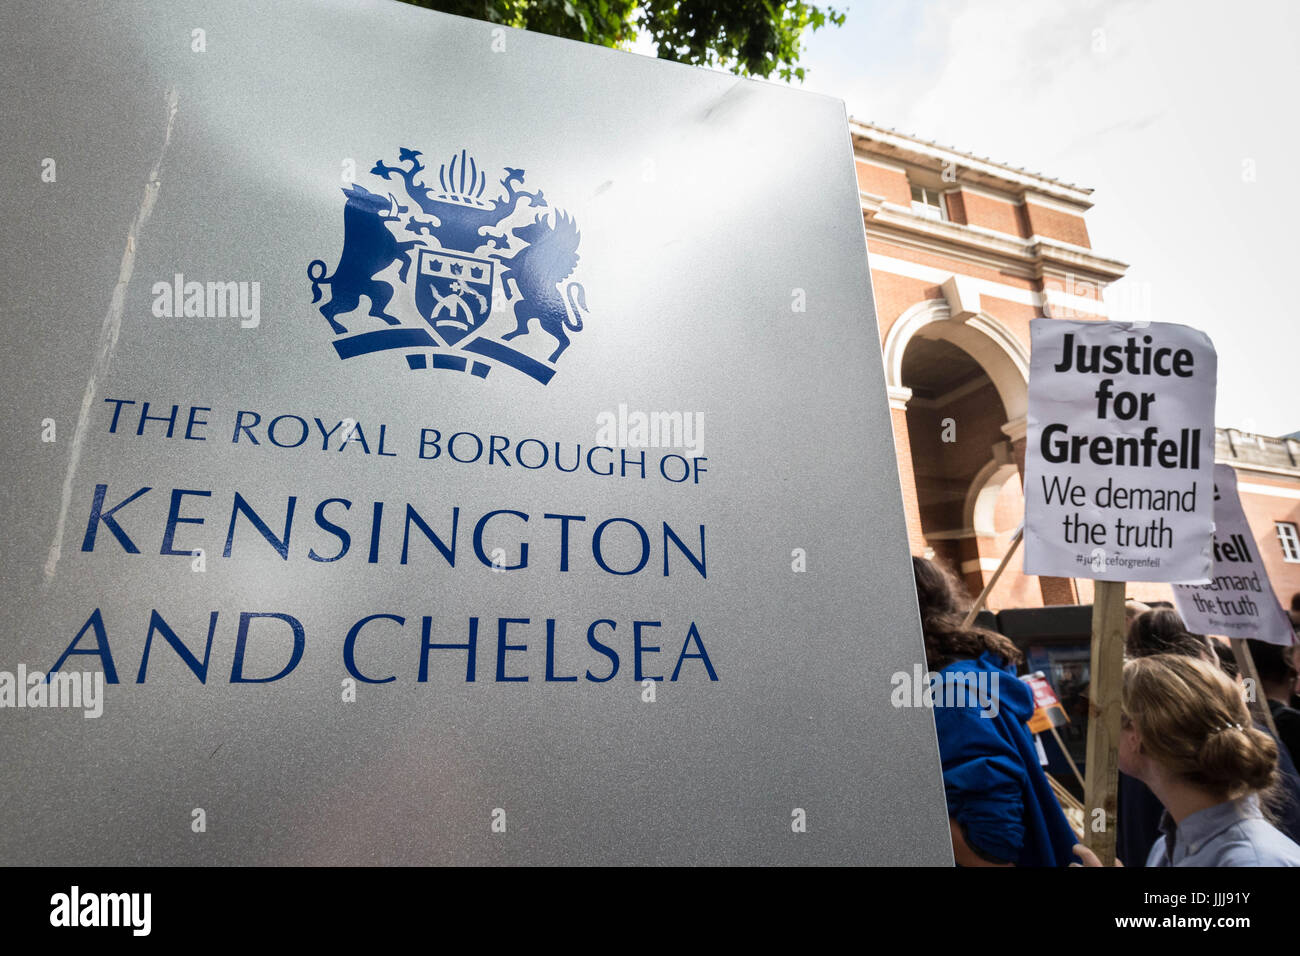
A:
1202,782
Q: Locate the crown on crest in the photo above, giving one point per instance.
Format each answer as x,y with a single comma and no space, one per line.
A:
462,181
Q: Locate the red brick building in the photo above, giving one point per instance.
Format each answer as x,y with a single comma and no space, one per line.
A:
1268,481
964,252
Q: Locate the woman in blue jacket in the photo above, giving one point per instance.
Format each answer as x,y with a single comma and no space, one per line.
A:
1001,809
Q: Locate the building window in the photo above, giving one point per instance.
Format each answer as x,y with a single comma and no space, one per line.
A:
928,203
1290,538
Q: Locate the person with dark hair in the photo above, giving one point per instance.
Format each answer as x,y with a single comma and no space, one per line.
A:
1132,609
1161,631
1001,808
1294,701
1277,677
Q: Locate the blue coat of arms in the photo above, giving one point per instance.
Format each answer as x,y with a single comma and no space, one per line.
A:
457,256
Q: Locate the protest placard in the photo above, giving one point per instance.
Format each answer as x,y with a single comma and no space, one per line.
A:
1120,451
1239,601
1048,712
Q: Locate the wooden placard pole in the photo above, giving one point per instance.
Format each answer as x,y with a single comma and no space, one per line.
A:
1107,674
1257,702
1070,760
988,588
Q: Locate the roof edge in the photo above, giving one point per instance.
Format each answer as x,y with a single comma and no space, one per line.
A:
1018,180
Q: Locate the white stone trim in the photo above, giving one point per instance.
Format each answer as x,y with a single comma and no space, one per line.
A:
1291,473
1017,428
1074,304
993,233
941,235
1055,243
963,296
994,290
1003,261
1271,490
1021,178
988,193
980,564
999,250
1047,202
934,276
899,396
882,163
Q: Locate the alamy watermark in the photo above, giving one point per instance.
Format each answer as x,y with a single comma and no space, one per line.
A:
921,688
36,689
133,911
211,300
637,429
1080,298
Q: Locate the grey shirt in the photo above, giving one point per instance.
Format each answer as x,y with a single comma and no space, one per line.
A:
1233,833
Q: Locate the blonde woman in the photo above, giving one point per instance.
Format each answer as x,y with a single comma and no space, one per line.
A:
1186,734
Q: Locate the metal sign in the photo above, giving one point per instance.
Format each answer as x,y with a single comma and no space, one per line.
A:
359,508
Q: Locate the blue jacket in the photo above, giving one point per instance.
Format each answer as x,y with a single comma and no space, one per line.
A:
996,789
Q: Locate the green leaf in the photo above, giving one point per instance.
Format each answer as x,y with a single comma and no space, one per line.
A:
748,37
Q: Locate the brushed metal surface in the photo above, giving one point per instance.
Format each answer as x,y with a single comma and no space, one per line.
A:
704,202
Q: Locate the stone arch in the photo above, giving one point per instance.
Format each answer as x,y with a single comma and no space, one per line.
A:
982,337
982,498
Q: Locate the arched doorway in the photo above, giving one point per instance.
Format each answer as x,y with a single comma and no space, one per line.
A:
961,385
985,340
954,420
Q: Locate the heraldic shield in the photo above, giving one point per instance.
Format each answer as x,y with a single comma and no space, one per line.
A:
453,292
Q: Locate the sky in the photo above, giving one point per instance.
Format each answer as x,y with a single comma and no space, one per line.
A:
1181,117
